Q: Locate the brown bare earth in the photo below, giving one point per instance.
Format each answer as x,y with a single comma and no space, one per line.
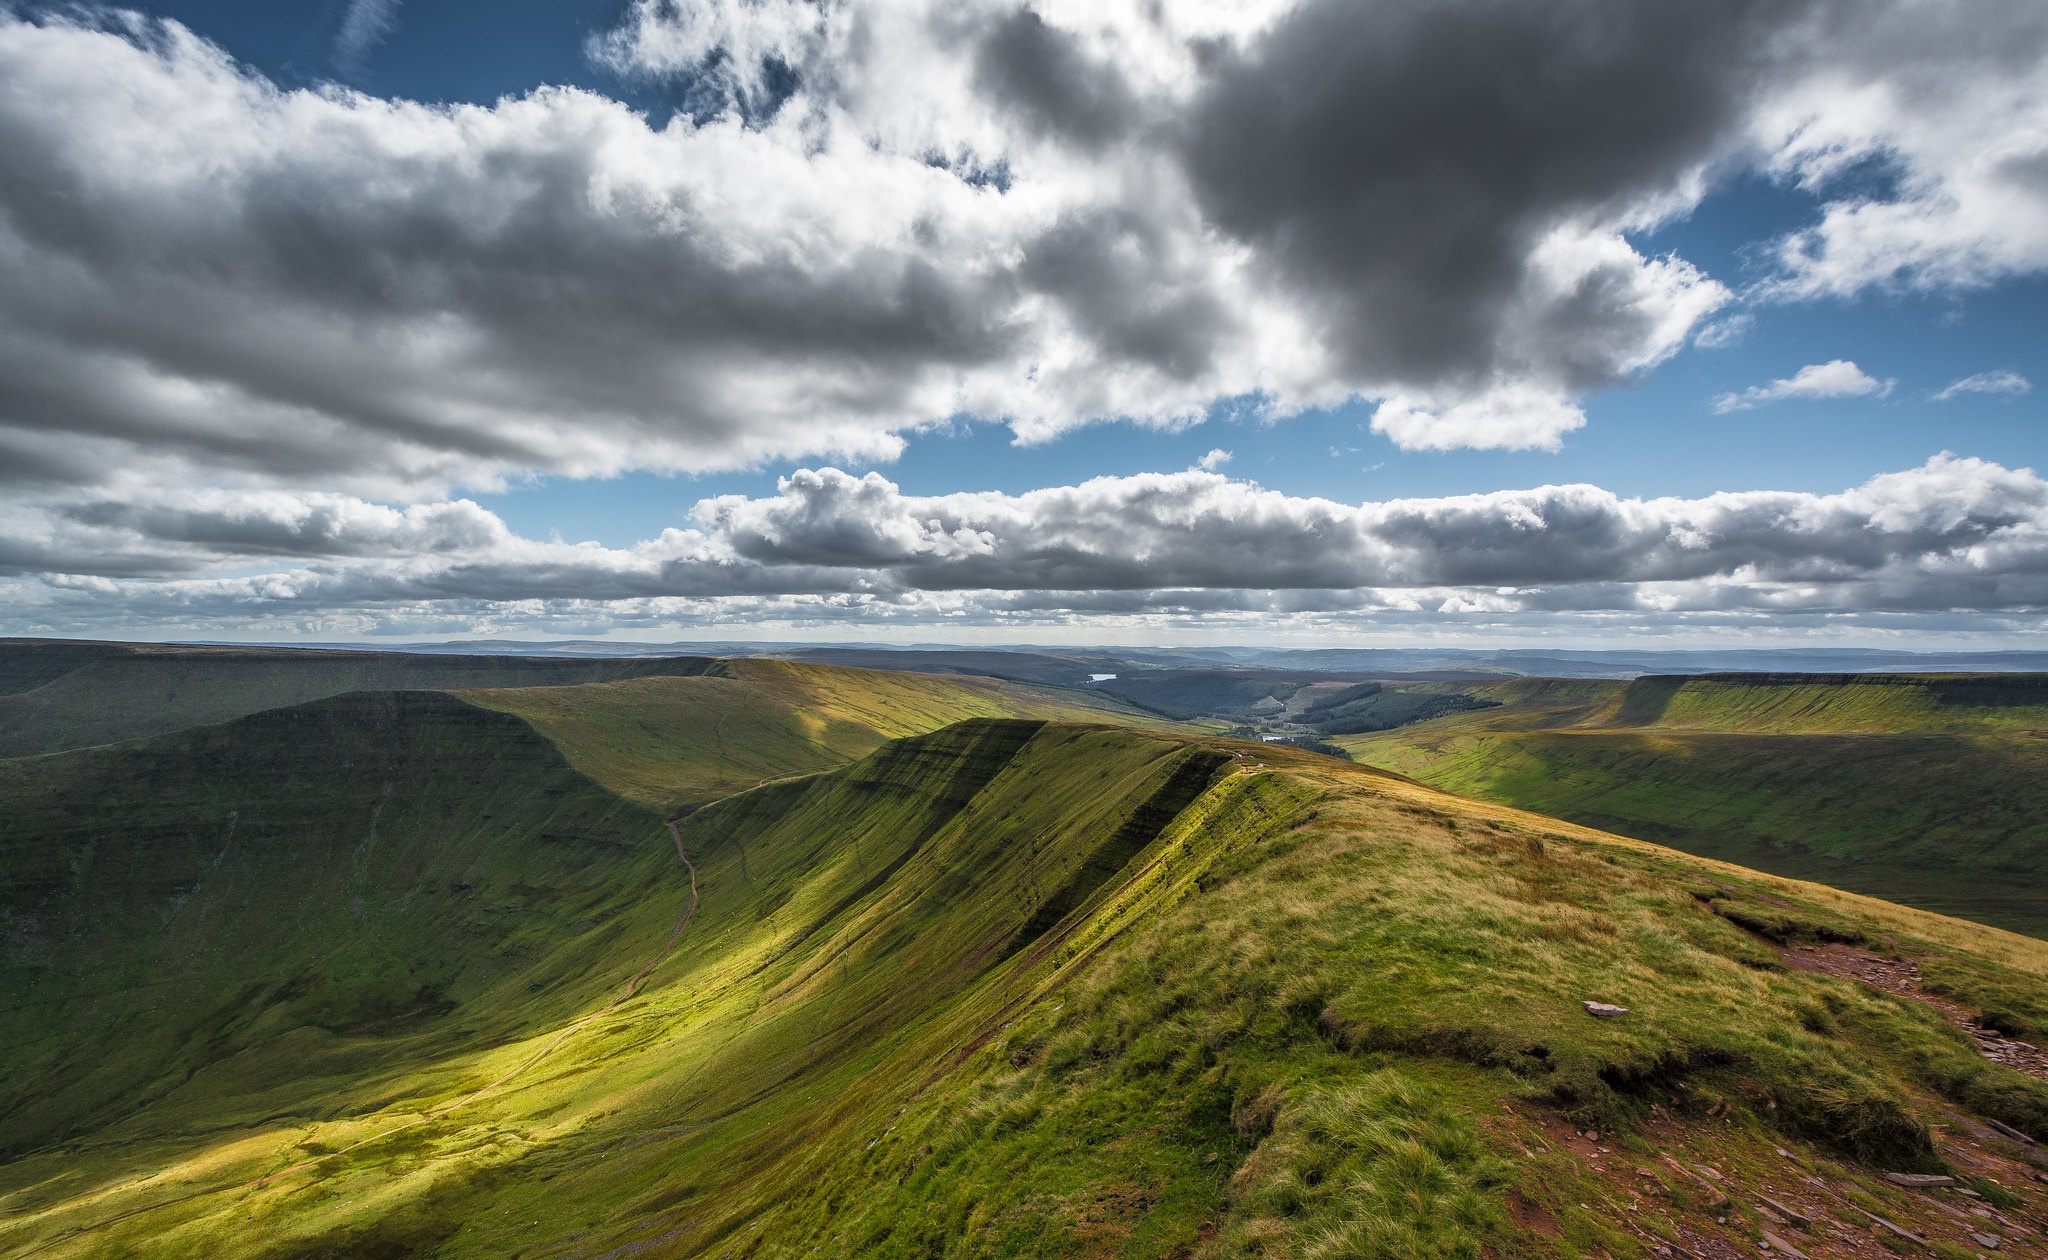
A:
1691,1183
1687,1188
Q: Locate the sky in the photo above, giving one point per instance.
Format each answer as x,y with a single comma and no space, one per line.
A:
1290,322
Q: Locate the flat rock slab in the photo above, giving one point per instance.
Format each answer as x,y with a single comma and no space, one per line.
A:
1782,1247
1918,1180
1602,1010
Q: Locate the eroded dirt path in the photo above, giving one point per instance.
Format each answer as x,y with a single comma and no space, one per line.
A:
1900,977
1704,1187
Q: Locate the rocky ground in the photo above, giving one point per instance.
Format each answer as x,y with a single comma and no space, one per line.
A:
1901,978
1696,1184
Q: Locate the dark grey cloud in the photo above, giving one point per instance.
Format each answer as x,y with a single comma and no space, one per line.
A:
1399,166
386,288
1049,78
1112,272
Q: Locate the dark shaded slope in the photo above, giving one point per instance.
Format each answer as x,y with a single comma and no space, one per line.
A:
206,916
1376,707
1190,778
26,664
896,884
57,695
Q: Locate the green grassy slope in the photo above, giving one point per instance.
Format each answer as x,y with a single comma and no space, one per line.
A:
1027,989
313,890
1957,825
57,695
1836,704
1763,704
678,742
1928,790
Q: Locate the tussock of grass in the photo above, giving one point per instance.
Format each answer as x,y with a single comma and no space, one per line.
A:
1378,1166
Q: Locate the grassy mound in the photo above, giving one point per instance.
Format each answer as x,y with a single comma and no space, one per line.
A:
1036,989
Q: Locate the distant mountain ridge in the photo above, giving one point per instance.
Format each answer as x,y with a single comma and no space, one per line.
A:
57,695
1477,662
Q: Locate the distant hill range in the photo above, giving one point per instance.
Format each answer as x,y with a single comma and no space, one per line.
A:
1072,664
1929,789
57,694
63,694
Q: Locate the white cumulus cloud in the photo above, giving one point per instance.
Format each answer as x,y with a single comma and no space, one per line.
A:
1952,534
1946,101
1837,378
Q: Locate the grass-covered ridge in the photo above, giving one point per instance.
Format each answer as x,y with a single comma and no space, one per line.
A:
1832,704
1927,789
57,695
1027,988
1763,704
675,742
